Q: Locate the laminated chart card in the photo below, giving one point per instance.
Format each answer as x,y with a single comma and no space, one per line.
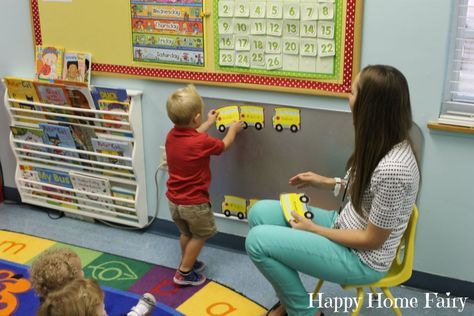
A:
168,32
290,38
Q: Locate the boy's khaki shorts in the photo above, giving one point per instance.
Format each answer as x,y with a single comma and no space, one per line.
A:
196,221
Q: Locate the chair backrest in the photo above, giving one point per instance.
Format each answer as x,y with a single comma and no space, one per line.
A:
403,266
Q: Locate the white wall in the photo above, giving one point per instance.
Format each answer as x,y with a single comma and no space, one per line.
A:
410,35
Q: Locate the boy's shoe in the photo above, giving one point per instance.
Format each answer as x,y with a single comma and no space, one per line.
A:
199,266
192,278
144,307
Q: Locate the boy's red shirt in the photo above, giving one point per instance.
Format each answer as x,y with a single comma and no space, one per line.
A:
188,155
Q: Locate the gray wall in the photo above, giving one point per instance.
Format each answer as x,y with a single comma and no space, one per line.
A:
410,35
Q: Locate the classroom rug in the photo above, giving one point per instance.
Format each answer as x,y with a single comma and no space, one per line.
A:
124,280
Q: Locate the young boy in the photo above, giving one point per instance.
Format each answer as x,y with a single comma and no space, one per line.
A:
188,151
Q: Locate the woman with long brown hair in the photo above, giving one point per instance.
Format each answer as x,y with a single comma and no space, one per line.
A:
358,244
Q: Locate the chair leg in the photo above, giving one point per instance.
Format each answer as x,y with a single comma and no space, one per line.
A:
360,301
389,295
318,287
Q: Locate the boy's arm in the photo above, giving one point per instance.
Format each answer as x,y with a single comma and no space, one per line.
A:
235,128
211,119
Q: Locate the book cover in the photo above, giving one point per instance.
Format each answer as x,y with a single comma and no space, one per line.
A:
82,137
28,134
76,66
115,107
60,136
113,147
124,193
26,106
91,184
80,97
49,62
112,94
21,89
28,173
51,93
54,177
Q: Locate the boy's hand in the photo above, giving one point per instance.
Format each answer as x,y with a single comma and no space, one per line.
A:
236,126
212,116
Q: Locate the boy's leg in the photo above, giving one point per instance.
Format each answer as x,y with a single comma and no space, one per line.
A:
191,253
280,252
183,241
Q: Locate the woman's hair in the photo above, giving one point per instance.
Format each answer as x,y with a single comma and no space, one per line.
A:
81,297
53,269
382,118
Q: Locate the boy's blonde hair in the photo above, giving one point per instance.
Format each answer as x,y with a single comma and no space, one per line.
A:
53,269
183,104
80,297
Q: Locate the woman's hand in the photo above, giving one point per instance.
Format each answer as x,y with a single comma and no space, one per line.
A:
309,178
302,223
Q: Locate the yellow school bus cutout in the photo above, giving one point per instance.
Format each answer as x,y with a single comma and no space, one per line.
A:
252,116
227,115
295,202
234,205
287,118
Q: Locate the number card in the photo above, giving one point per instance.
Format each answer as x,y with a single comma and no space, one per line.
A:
226,26
274,10
275,27
257,9
291,11
326,48
241,9
326,30
257,44
308,29
309,11
258,27
226,57
241,26
226,9
242,43
291,28
257,60
273,45
308,47
226,42
273,62
326,11
242,60
291,46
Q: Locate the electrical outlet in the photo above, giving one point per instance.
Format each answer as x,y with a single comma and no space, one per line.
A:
163,162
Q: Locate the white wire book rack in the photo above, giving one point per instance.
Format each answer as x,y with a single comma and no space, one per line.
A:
122,172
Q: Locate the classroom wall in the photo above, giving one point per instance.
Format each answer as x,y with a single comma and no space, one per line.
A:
410,35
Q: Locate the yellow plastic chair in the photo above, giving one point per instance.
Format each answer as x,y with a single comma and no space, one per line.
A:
399,272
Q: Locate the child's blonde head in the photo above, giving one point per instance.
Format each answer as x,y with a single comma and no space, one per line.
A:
53,269
80,297
183,105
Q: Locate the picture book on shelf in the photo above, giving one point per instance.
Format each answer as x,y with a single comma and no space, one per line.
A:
115,107
32,117
82,137
76,66
52,93
113,147
60,136
112,94
28,134
21,89
54,177
91,184
49,62
124,193
28,173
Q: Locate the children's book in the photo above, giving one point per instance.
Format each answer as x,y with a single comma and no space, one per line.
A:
33,117
57,178
91,184
28,173
80,97
60,136
49,62
115,107
113,147
29,134
112,94
21,89
52,93
124,193
76,66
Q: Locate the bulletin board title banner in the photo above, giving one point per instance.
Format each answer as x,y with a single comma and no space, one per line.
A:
299,46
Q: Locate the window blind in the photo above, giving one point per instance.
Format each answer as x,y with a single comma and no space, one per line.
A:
458,107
